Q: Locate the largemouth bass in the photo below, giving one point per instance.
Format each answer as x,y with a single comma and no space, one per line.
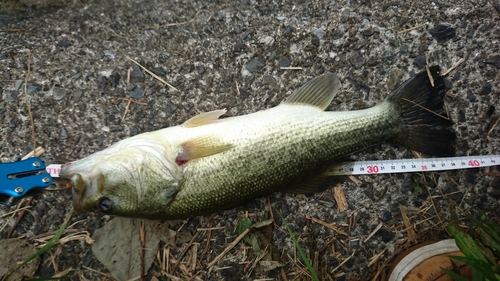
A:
208,164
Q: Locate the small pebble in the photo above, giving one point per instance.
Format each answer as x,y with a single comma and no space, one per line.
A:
100,139
254,66
115,79
404,48
170,108
101,82
59,93
65,43
136,74
357,60
17,84
77,94
386,216
284,62
368,32
32,88
471,96
63,134
443,33
319,32
486,90
137,93
420,61
133,131
11,96
244,94
387,55
159,71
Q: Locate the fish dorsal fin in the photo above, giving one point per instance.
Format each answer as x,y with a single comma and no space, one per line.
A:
204,118
200,147
318,92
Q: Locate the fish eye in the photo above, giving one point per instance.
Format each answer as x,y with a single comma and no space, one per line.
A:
105,204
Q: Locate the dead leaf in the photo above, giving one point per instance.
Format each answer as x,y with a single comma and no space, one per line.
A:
117,246
13,252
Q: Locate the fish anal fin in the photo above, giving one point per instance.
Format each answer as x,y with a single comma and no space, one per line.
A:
200,147
204,118
318,92
314,185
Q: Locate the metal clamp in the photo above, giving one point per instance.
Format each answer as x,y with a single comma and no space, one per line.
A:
19,178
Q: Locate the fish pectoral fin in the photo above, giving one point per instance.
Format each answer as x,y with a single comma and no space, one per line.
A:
318,92
200,147
204,118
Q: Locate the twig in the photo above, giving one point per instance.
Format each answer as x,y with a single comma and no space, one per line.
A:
332,227
34,153
410,29
210,228
209,236
291,68
429,71
379,226
375,258
342,263
228,248
453,67
426,109
96,271
494,126
237,88
338,193
257,260
152,74
409,227
19,217
13,212
272,217
432,202
181,255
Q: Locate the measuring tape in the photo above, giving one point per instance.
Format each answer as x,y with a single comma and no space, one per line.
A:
390,166
413,165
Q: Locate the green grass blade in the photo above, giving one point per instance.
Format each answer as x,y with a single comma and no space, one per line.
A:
454,275
299,249
47,246
481,268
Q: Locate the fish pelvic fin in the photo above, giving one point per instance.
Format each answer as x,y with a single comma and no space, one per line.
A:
204,118
425,126
318,92
200,147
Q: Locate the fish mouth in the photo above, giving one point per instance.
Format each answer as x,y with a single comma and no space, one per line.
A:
79,190
85,186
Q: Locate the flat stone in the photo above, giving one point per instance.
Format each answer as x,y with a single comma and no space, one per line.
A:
255,66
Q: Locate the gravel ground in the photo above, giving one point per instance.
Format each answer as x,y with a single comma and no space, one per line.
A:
229,55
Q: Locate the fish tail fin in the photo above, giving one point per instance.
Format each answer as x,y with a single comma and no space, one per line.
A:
425,127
